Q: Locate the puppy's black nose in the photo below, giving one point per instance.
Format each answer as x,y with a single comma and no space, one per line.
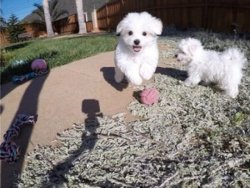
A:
136,42
176,55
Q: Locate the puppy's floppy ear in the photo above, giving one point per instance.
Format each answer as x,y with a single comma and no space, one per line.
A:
194,45
155,23
119,28
124,22
157,26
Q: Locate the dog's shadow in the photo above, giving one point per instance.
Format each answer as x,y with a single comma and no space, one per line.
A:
182,76
108,74
172,72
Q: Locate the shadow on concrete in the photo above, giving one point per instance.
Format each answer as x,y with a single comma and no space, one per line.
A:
7,88
1,108
91,108
28,105
108,74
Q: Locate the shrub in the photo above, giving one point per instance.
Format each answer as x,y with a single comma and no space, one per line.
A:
14,29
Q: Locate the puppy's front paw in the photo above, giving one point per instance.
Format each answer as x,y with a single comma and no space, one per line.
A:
232,92
187,83
118,78
192,81
146,73
134,79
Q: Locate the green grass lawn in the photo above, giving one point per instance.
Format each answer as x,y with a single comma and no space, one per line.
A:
55,51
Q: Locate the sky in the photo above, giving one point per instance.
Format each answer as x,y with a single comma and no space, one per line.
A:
20,8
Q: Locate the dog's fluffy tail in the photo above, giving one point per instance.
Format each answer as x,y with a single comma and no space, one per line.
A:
235,56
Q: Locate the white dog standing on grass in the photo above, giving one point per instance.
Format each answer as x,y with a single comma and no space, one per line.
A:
224,69
136,55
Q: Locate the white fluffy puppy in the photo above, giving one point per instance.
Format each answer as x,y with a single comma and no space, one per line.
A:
136,55
224,69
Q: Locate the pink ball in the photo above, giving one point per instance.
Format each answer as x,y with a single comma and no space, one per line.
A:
149,96
39,64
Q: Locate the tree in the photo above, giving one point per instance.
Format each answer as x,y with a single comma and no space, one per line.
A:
81,21
14,28
47,17
55,12
3,23
1,10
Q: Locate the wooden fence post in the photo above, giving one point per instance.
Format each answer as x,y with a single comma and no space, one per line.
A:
234,24
94,20
205,15
107,16
121,8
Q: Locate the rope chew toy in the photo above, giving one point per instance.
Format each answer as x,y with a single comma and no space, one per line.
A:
149,96
9,151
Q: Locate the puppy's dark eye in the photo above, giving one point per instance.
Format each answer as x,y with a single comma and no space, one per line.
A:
144,34
130,33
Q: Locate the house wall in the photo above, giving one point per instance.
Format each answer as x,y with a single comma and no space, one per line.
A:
3,38
36,30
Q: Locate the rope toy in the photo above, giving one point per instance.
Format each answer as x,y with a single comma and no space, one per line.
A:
9,151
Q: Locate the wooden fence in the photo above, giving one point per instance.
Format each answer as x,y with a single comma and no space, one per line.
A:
70,25
214,15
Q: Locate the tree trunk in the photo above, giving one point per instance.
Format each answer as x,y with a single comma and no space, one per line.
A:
50,32
81,21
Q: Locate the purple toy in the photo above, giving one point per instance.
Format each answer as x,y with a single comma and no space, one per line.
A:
39,65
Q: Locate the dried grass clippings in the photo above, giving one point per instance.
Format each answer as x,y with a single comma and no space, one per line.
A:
194,137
